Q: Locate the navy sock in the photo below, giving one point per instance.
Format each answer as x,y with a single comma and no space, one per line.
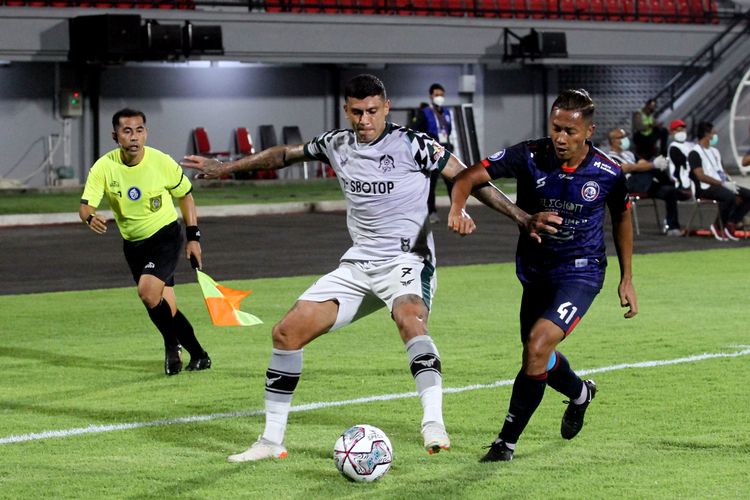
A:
527,394
563,379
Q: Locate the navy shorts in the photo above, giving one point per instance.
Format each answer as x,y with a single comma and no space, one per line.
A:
156,255
563,304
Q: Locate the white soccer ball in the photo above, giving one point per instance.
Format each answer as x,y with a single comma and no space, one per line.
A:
363,453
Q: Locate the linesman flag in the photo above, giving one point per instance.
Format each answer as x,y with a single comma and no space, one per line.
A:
224,303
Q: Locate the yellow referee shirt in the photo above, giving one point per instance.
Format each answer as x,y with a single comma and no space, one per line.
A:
141,195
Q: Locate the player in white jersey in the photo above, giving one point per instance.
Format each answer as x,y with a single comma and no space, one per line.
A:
384,171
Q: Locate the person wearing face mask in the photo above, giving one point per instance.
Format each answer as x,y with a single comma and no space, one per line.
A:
712,182
646,177
435,120
678,151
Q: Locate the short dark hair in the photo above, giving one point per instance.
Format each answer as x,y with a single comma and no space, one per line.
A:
126,113
362,86
703,129
436,86
576,100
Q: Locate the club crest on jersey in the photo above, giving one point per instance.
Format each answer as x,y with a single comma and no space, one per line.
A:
386,163
590,191
405,245
154,203
134,193
497,156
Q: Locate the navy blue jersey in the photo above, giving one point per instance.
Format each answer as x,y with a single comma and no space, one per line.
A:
577,252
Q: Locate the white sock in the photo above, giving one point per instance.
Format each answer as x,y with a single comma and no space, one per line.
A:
583,397
276,417
432,404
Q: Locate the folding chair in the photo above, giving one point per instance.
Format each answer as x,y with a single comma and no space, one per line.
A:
697,211
635,200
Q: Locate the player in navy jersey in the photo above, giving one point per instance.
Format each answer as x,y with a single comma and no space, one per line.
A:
566,174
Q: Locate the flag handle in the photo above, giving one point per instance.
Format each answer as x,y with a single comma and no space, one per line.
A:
194,262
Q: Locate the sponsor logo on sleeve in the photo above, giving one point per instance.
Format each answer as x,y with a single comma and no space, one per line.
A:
497,156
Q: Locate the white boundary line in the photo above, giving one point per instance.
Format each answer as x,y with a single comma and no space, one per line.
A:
98,429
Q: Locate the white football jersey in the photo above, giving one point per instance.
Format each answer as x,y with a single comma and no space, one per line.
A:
385,183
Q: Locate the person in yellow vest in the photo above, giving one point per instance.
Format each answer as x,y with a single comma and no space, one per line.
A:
139,183
649,135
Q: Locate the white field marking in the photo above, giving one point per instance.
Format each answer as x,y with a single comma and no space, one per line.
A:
98,429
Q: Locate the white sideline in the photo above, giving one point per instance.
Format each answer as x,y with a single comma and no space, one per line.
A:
98,429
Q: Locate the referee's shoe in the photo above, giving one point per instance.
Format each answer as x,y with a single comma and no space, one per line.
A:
197,363
572,420
173,360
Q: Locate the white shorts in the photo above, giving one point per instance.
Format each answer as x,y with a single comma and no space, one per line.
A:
362,287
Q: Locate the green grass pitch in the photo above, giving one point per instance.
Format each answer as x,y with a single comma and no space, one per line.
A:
86,368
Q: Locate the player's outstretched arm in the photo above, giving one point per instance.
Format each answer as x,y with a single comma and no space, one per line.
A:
476,181
272,158
622,228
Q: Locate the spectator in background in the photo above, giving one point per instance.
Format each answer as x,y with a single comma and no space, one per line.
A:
434,119
646,177
677,154
712,182
649,136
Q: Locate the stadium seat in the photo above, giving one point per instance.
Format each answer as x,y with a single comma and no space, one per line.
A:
567,9
505,8
628,10
643,11
202,145
668,9
614,10
696,11
243,146
267,140
597,10
683,11
243,142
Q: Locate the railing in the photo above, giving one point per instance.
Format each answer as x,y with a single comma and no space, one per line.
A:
656,11
706,59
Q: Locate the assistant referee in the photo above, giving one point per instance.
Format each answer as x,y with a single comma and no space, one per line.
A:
139,183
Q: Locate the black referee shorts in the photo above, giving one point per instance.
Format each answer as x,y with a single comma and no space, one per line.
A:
156,255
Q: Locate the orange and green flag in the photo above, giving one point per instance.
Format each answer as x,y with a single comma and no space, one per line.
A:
224,303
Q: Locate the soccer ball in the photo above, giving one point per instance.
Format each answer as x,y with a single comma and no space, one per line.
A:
363,453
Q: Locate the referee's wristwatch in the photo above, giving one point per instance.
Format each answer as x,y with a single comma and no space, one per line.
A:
89,219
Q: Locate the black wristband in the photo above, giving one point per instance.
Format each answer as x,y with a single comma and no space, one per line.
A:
89,219
193,233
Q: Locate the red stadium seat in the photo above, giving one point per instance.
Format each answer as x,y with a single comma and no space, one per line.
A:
505,8
486,8
567,9
644,11
696,11
628,10
537,9
202,145
243,142
597,10
614,10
